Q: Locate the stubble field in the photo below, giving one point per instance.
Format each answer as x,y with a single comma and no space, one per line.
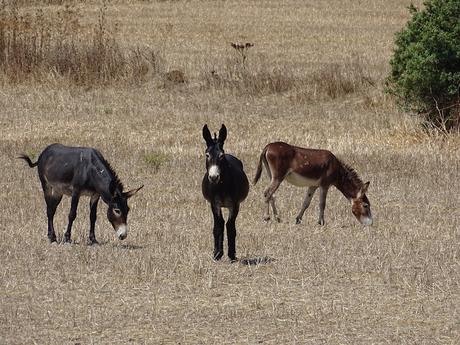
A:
397,282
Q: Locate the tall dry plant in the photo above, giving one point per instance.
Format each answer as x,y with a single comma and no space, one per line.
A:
339,79
24,3
242,75
33,46
258,77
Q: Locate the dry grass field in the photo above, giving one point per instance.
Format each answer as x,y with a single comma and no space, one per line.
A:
314,78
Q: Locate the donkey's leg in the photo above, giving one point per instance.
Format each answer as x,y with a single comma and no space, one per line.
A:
218,232
271,189
92,219
306,202
231,231
52,203
268,194
72,215
322,203
267,211
275,211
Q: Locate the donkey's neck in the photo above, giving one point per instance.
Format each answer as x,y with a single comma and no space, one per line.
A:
226,172
106,194
348,182
106,183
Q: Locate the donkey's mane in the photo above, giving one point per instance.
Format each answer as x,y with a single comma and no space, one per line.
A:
351,175
109,168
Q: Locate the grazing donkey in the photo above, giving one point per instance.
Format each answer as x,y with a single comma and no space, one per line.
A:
77,171
313,169
224,185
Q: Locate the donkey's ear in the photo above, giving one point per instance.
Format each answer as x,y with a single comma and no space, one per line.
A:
130,193
364,188
222,134
207,136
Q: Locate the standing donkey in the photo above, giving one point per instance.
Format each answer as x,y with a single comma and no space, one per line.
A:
77,171
313,169
224,185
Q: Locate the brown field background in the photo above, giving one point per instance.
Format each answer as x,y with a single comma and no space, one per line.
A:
314,78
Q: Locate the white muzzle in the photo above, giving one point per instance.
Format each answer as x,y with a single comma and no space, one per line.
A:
122,231
366,221
214,173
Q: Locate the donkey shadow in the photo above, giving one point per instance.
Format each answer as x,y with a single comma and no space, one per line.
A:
100,244
265,260
128,246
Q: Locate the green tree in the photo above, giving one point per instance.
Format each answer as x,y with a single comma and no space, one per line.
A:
425,68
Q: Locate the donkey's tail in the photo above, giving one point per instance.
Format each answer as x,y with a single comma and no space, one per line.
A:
259,166
27,159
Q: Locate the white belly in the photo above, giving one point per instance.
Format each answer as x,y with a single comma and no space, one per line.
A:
301,181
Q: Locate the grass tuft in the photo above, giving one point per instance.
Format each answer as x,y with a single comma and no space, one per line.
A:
155,160
250,80
259,78
336,80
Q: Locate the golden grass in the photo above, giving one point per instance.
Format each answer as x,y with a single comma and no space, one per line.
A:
44,45
396,282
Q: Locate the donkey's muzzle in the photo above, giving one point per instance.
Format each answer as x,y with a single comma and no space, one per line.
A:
214,178
122,232
214,174
366,221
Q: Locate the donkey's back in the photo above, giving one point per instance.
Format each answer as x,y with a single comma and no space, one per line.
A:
61,167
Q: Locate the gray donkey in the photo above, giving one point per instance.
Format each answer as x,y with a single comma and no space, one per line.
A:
77,171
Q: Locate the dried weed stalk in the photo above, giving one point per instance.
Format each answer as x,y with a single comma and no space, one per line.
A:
33,46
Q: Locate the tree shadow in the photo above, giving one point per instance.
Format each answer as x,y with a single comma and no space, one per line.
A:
265,260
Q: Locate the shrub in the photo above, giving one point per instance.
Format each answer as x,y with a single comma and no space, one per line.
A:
155,160
425,68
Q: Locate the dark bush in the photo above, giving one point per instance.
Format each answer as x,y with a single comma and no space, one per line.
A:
425,68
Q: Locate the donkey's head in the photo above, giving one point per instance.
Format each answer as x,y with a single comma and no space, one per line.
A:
215,155
117,212
361,207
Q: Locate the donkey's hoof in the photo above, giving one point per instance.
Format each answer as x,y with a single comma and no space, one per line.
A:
266,218
321,222
233,259
218,255
298,221
92,242
278,219
52,239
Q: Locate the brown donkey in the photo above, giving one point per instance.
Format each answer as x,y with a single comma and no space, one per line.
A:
313,169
